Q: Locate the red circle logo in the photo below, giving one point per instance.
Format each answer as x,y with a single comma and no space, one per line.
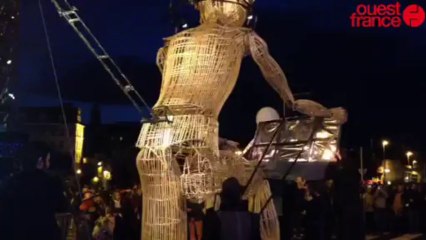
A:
414,15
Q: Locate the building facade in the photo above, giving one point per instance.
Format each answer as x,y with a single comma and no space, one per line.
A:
46,125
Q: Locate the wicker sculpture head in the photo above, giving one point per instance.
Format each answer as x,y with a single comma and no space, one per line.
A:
232,13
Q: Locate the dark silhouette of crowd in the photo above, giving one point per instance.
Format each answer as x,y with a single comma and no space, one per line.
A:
111,215
340,207
395,209
30,199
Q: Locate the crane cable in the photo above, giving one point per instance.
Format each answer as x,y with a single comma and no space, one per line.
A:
60,98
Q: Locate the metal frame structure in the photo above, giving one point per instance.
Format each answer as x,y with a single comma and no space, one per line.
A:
69,13
309,139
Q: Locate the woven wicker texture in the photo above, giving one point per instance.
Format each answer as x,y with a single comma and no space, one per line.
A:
180,159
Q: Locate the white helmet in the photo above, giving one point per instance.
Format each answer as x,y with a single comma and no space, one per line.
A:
266,114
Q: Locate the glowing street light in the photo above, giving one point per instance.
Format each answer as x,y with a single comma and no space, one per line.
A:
99,163
78,171
95,179
384,144
107,175
409,154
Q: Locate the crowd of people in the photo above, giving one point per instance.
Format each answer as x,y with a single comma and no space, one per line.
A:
107,215
308,210
395,209
336,208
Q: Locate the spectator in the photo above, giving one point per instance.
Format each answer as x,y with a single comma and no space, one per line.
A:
236,223
315,213
290,212
398,209
422,207
137,206
211,224
126,220
368,198
104,226
30,200
412,206
347,200
329,211
380,198
195,220
116,198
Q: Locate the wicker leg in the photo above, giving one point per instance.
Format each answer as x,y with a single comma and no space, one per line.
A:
164,210
269,225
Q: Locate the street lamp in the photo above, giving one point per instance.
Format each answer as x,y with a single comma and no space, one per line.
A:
107,175
95,179
409,154
384,144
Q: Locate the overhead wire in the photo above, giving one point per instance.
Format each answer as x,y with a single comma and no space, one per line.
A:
60,98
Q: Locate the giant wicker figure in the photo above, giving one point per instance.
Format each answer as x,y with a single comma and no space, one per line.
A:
179,159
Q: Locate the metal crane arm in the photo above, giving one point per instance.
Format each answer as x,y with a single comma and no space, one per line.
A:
69,13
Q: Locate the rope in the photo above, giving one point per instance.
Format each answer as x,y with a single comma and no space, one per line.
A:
61,102
60,98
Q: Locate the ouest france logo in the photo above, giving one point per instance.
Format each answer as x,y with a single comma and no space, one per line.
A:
393,15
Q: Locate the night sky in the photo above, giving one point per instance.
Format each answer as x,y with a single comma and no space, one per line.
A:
378,75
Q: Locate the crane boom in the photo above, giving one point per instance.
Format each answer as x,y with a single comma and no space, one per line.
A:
69,13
